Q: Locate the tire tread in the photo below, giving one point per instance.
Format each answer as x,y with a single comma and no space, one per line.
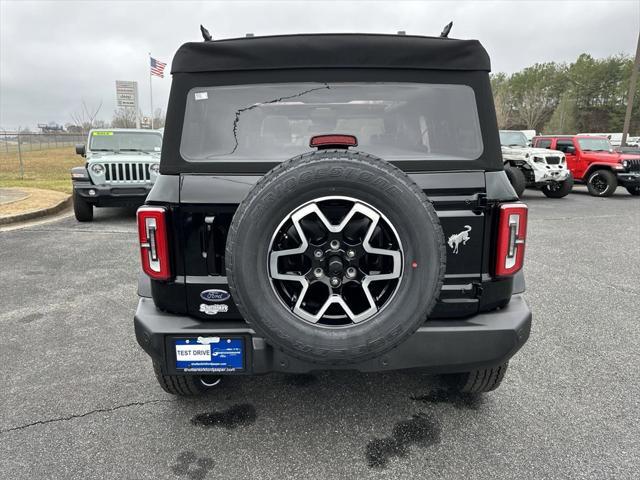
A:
482,380
182,385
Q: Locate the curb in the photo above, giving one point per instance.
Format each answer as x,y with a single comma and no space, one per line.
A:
43,212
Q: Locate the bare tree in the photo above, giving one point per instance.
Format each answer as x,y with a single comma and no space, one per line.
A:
124,118
503,99
504,106
85,116
158,118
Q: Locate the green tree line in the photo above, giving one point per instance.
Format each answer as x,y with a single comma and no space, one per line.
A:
588,95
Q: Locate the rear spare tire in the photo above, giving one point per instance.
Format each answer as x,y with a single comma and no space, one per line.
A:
335,257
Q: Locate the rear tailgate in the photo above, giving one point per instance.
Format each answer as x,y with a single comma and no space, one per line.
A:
207,204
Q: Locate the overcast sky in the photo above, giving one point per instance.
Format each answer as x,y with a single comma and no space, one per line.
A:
53,54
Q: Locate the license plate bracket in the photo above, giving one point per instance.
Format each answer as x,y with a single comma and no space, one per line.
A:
207,355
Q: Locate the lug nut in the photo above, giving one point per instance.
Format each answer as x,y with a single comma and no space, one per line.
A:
351,253
317,272
317,253
351,272
335,244
335,281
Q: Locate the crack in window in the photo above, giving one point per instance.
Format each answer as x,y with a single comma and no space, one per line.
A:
239,112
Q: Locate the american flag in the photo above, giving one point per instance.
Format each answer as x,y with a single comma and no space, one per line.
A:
157,68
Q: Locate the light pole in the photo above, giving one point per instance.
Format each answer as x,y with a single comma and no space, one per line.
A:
632,91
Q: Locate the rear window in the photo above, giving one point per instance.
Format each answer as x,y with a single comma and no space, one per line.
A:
398,121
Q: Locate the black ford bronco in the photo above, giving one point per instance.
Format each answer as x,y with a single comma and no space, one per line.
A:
333,201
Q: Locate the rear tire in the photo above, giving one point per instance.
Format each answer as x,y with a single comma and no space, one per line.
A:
635,191
185,385
602,183
516,178
479,381
558,189
81,208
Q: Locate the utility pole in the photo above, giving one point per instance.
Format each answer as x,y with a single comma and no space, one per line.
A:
632,91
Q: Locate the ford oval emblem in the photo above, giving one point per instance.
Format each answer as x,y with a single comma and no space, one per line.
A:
215,295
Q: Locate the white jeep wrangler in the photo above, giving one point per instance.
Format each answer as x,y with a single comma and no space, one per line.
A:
122,165
534,167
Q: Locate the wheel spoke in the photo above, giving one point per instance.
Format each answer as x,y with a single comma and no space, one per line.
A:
394,254
365,306
338,300
298,310
274,256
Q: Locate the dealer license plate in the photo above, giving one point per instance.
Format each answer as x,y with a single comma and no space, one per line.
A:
209,354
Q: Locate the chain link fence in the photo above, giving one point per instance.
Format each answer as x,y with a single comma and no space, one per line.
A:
17,148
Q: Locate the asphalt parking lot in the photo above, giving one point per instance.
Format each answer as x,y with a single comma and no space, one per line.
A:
79,400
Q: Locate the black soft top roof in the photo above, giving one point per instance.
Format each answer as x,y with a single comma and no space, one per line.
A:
331,51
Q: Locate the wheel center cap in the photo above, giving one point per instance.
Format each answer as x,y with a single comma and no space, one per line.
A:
335,266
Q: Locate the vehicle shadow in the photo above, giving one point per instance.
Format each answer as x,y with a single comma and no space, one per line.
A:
580,190
411,384
106,218
620,192
111,213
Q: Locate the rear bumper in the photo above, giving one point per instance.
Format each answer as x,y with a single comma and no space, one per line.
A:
112,196
446,346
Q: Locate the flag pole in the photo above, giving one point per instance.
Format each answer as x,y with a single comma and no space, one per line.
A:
150,91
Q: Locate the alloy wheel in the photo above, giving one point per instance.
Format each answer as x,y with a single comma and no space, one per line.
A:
335,261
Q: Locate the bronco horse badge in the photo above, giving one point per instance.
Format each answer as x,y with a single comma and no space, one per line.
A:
462,237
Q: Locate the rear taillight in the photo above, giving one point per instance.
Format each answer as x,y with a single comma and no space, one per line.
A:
154,246
512,233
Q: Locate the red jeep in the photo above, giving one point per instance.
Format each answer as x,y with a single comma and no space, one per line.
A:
593,161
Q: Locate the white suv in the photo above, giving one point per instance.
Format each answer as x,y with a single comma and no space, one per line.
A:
534,167
122,165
